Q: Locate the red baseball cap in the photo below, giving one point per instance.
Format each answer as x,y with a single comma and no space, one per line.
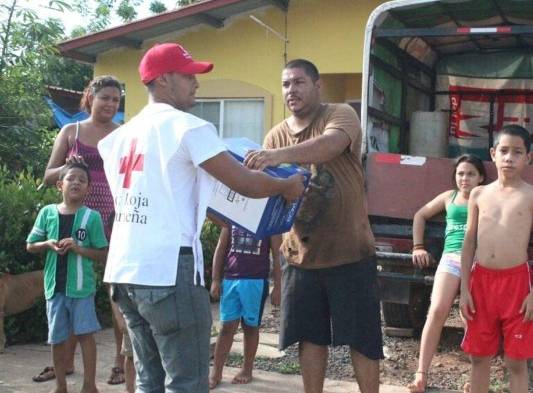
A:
169,57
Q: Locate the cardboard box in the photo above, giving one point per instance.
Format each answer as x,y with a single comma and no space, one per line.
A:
262,217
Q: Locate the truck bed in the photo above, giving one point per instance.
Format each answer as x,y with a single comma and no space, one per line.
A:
398,185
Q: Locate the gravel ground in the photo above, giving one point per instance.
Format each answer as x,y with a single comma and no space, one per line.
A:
450,367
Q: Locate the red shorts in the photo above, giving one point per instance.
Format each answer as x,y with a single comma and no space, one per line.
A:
498,295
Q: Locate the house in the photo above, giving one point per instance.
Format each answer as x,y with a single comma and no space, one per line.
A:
249,41
67,99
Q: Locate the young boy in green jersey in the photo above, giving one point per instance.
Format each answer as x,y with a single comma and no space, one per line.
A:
72,235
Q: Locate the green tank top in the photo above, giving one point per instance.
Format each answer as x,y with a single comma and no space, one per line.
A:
455,226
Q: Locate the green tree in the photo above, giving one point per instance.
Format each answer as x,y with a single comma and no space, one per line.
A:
100,12
29,62
157,7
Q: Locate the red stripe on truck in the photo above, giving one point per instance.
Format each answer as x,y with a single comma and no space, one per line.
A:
504,29
387,158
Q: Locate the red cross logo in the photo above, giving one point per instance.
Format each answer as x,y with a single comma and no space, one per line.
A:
131,162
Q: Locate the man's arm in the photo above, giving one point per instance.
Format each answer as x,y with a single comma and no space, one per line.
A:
218,262
275,245
467,254
251,183
313,151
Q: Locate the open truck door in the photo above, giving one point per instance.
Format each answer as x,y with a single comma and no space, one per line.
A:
440,79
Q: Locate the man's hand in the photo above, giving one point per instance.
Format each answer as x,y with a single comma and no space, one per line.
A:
295,187
68,244
466,305
527,308
421,258
260,159
216,290
275,296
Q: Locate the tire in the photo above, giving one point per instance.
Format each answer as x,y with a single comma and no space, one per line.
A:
408,316
396,315
419,304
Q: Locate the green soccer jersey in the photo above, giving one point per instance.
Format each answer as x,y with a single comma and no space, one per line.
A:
87,231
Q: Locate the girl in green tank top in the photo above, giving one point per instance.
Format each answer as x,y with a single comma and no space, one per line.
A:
455,226
469,172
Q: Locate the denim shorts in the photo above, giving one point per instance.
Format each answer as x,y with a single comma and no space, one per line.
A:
243,298
67,316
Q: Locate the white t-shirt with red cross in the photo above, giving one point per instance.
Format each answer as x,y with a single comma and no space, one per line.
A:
160,193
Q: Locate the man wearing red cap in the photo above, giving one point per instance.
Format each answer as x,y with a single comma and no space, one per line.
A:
161,166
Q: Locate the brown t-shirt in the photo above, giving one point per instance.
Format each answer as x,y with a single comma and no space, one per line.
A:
331,227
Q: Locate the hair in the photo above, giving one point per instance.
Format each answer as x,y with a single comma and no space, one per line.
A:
308,67
470,159
67,167
515,130
95,86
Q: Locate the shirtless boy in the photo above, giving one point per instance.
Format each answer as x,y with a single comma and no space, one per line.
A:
496,298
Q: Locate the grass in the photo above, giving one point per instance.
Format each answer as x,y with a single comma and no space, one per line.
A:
499,384
291,368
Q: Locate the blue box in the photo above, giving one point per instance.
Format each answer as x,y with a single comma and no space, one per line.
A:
262,217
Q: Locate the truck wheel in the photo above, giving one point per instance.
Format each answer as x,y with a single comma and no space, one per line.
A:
412,315
396,315
419,300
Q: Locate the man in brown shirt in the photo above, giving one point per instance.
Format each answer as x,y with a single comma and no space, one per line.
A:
329,285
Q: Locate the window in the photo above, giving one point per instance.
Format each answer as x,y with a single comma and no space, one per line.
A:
233,117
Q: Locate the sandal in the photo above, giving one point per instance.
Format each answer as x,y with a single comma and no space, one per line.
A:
420,383
47,374
117,376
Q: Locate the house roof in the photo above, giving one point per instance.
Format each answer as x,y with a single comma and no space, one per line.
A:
210,12
67,99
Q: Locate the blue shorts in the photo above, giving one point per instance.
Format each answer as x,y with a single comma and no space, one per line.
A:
243,299
67,316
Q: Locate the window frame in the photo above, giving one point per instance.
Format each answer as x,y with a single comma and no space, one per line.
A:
222,101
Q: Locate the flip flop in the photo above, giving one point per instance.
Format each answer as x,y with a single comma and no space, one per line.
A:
47,374
117,376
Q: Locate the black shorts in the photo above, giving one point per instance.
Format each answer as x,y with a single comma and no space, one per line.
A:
332,306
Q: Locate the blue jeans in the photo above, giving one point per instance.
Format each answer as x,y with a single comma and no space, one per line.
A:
170,330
